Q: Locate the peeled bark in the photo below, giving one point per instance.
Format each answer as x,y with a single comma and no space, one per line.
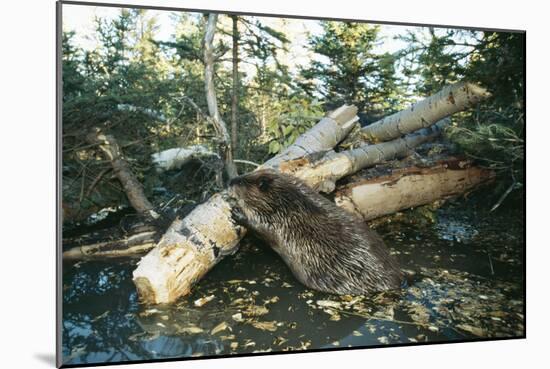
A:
219,124
322,173
410,187
132,187
451,99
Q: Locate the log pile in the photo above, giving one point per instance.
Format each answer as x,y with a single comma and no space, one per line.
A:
180,254
191,246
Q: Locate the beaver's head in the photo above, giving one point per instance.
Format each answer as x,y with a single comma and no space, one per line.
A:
267,192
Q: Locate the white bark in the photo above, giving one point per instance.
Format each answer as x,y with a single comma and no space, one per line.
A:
410,187
177,157
322,137
451,99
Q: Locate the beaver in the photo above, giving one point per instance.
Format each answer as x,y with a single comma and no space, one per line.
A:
326,248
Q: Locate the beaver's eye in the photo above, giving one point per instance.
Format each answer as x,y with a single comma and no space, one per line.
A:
264,183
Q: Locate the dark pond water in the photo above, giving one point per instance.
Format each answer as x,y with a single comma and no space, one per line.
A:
468,284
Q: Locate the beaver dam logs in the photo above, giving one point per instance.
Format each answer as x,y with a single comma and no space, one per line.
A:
191,246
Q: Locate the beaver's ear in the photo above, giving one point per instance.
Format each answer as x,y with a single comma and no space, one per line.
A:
264,183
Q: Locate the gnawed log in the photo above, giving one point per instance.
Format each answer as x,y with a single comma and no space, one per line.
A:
187,251
322,173
451,99
192,246
132,187
409,187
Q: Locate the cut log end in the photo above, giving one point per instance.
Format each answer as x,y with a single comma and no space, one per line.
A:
187,251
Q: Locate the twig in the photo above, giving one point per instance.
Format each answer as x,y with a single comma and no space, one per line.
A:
504,195
96,181
246,162
490,263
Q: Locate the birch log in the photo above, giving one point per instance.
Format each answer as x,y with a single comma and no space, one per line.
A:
324,136
322,174
132,187
409,187
193,245
451,99
219,124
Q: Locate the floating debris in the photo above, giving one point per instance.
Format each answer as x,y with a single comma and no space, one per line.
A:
329,303
255,310
384,340
265,326
192,330
220,328
480,332
203,300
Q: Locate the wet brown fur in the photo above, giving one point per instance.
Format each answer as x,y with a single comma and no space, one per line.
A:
326,248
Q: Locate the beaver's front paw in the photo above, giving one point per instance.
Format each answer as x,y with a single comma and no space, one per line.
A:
238,216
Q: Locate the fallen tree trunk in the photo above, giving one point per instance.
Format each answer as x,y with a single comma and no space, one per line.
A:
189,248
132,187
322,174
179,156
131,246
451,99
409,187
324,136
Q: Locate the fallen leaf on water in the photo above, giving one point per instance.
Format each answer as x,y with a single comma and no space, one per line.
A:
255,310
265,326
192,330
203,300
473,330
384,340
220,327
